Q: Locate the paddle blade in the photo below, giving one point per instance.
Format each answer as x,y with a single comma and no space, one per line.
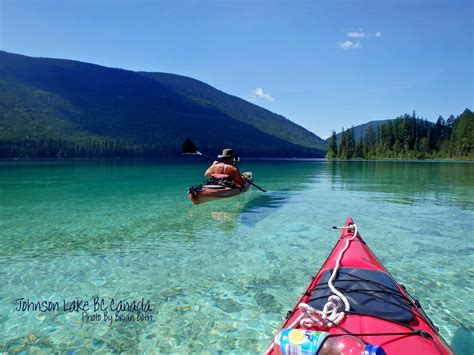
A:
189,147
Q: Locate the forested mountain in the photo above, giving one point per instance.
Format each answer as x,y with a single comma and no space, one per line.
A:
409,137
64,108
256,116
359,131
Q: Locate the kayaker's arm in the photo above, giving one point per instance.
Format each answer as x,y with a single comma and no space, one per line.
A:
210,170
237,177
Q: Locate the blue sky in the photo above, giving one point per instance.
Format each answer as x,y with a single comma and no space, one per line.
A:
322,64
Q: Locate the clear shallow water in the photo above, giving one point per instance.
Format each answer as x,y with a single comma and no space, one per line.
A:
220,276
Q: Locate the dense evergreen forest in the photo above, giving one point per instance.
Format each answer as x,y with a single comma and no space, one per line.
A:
409,137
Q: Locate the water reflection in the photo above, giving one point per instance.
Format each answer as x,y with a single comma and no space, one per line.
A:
263,206
248,210
407,182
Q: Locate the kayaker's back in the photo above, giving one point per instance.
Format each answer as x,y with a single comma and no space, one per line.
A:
222,168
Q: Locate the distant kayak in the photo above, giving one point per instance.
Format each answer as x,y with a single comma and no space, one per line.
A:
203,193
354,306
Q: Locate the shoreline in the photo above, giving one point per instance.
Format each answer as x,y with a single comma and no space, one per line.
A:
174,159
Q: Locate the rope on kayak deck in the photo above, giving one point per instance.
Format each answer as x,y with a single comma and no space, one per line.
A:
332,312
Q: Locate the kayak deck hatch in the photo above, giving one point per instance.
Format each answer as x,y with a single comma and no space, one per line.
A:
369,292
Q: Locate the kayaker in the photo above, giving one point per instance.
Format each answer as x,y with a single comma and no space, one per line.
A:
226,168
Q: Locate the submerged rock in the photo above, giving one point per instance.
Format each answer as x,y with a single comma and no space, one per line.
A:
228,305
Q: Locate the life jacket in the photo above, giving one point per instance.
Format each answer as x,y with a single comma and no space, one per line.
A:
220,179
220,176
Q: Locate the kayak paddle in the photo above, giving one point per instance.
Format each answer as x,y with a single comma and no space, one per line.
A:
190,148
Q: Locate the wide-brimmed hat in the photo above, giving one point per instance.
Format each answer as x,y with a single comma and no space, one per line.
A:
227,153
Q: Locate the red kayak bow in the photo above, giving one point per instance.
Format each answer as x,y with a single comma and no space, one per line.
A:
373,307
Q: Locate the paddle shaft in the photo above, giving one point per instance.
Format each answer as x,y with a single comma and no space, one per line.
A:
258,187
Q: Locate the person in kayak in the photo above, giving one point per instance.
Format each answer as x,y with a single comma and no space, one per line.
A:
226,168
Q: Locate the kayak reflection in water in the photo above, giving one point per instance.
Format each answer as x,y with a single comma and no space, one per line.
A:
226,171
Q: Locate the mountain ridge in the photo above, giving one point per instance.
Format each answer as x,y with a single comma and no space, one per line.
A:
60,108
360,130
206,96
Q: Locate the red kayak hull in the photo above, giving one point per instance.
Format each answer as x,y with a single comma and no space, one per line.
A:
206,194
358,255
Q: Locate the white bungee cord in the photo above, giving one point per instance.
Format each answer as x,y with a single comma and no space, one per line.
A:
331,313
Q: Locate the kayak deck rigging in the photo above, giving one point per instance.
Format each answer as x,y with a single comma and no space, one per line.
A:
369,292
373,306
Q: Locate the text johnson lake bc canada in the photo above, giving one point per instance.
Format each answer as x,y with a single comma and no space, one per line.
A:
80,305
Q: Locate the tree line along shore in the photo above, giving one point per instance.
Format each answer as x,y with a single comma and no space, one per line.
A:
408,137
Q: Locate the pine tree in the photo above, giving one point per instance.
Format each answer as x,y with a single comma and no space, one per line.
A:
332,147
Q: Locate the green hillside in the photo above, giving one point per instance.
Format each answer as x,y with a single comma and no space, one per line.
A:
63,108
256,116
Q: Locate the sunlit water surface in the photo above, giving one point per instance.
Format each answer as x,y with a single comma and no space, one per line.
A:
220,276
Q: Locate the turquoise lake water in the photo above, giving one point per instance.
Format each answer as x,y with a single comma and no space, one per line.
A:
220,276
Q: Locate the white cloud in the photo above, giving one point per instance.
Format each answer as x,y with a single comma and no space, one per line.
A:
356,34
355,37
349,45
258,93
361,34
